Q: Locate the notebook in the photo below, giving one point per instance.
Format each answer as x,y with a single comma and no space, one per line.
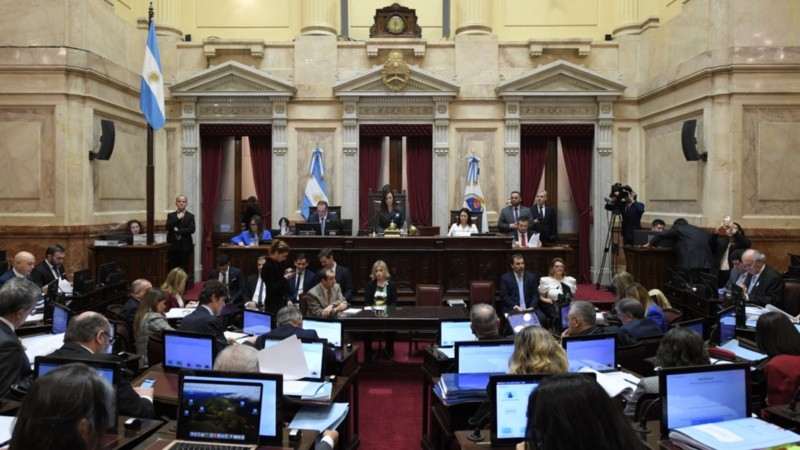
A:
326,329
256,323
696,325
270,429
184,350
483,356
597,351
216,411
696,395
522,320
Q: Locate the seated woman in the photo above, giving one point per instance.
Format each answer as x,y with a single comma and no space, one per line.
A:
778,338
379,291
133,227
658,297
537,351
463,226
651,310
255,235
571,411
390,213
678,348
67,408
149,321
174,287
556,283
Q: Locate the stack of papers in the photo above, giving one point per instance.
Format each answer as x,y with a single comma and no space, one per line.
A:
320,418
454,388
615,383
351,311
308,390
739,434
178,313
285,357
42,345
236,337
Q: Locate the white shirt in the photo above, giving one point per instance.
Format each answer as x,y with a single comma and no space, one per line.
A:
458,230
532,242
260,290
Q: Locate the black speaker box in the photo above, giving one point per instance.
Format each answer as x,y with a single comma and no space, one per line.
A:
106,142
689,142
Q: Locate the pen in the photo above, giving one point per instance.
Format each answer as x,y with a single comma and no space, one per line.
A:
631,382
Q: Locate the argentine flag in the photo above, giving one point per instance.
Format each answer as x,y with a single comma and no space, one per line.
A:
151,102
473,195
315,188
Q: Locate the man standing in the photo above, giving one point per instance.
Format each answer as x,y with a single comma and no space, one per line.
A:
17,299
519,289
52,268
691,248
22,268
343,276
544,219
507,223
138,288
230,276
624,201
763,285
322,216
525,238
204,319
301,280
180,228
325,300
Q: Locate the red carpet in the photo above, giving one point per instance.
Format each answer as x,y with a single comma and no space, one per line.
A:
600,298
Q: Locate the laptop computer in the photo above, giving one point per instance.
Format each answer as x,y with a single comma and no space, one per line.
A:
52,340
642,237
61,316
184,350
726,323
331,330
270,429
214,412
452,331
695,395
483,356
696,325
313,352
256,323
596,351
522,320
564,314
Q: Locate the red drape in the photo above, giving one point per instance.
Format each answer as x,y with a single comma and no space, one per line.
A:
211,159
419,168
533,155
578,162
369,167
261,158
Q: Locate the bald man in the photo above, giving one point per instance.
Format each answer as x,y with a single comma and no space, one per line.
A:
22,268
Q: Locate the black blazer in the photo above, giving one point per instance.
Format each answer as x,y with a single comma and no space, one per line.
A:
129,403
201,321
768,289
236,284
14,363
128,312
41,274
186,229
328,356
509,291
345,281
638,329
691,249
372,286
547,227
397,215
309,281
276,286
719,242
314,217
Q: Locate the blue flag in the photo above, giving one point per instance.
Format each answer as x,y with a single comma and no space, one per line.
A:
473,194
316,189
151,102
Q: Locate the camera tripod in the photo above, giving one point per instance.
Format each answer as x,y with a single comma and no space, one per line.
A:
611,247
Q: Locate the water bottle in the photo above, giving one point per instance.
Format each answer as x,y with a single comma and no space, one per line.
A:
404,229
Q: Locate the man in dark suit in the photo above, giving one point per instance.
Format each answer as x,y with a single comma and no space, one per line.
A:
635,326
524,237
343,276
507,222
231,277
51,268
17,299
302,280
180,228
256,289
138,289
582,321
518,279
624,201
691,248
544,219
88,337
322,216
22,267
484,323
763,285
204,319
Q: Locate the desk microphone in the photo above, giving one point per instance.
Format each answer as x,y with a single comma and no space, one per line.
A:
479,420
792,408
641,427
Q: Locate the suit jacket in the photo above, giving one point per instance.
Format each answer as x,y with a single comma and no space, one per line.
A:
314,217
42,274
637,329
236,283
720,242
14,363
309,280
129,310
509,291
185,231
328,356
345,281
631,220
385,218
201,321
691,249
507,218
547,226
276,286
10,275
129,403
317,301
768,289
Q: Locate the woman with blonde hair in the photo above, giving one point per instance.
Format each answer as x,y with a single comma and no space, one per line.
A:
556,283
651,309
658,297
537,351
379,291
621,282
149,321
174,287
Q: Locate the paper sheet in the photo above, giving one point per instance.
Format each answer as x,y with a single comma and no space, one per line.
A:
178,313
320,418
285,357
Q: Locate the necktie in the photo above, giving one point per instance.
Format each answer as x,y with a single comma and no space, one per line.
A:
753,283
260,294
747,281
56,274
541,211
297,281
322,226
520,286
516,214
523,240
225,278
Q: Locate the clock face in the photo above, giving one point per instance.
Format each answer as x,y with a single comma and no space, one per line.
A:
395,25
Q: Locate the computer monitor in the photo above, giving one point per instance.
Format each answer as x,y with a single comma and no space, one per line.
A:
454,330
107,273
183,350
82,281
308,228
61,316
696,395
696,325
256,323
726,319
522,320
331,330
564,314
596,351
483,356
339,227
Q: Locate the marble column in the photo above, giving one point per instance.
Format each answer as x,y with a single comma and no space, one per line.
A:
601,182
473,17
439,173
167,16
191,176
279,148
512,145
318,17
350,203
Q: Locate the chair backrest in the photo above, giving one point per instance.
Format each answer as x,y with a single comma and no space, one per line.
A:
155,351
672,315
632,358
375,198
331,209
303,305
481,292
123,340
475,217
113,312
429,294
791,296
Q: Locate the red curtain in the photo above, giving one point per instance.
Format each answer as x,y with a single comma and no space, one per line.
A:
211,159
369,167
533,156
419,168
261,158
578,162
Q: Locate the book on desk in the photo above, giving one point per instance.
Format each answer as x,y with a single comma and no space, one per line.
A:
739,434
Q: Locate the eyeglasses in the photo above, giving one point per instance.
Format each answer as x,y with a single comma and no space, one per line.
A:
111,338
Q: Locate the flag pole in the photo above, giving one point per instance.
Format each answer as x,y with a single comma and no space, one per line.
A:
150,177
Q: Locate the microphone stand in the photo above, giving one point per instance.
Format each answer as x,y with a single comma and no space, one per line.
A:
480,419
792,408
641,426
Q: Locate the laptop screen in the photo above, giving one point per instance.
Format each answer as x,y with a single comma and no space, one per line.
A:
184,350
598,352
112,335
523,320
703,394
270,427
727,324
312,350
214,410
696,325
508,395
256,323
452,331
483,356
326,329
60,318
565,316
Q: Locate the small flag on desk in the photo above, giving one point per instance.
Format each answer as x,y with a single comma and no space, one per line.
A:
473,194
316,190
151,102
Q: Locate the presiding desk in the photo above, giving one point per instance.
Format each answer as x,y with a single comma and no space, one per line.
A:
403,318
167,433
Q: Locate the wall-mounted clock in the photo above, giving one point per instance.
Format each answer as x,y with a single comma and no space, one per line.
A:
395,21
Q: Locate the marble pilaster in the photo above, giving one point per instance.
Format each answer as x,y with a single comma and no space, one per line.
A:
318,17
473,16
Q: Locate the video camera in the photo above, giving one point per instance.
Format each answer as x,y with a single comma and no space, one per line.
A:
619,196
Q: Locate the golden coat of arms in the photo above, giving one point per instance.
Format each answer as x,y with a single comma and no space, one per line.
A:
395,72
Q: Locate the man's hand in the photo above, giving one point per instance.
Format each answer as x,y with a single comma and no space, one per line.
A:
518,308
144,392
327,311
565,333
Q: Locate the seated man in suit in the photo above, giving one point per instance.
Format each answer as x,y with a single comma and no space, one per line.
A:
17,299
635,325
763,285
507,222
738,272
138,288
88,337
519,289
544,219
22,267
322,216
256,290
51,268
524,237
302,280
484,323
230,276
343,276
290,322
325,300
204,319
582,321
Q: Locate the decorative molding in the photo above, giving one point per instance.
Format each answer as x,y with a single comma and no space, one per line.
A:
213,47
537,46
540,111
376,45
637,28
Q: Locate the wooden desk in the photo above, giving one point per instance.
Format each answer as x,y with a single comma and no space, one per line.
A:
128,439
651,439
693,305
167,433
433,366
95,300
404,318
649,266
776,415
134,261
